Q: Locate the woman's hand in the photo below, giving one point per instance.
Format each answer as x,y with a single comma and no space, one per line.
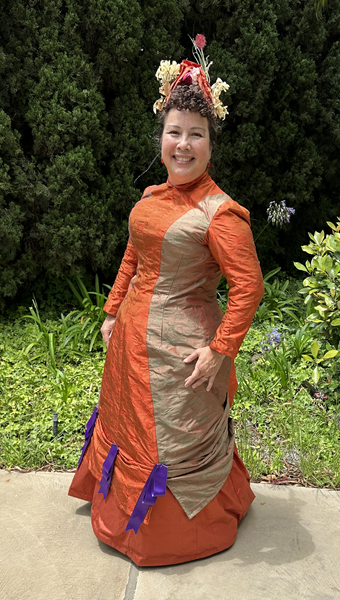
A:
207,366
106,328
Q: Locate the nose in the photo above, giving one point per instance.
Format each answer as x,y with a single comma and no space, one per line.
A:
183,142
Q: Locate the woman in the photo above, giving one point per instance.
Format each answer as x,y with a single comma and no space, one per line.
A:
159,462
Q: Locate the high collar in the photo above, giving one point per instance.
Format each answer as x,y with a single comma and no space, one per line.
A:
191,184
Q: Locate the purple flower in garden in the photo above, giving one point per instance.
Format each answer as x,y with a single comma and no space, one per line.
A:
274,337
278,214
273,340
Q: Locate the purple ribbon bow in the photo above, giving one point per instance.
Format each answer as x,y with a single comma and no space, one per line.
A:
88,433
154,487
107,470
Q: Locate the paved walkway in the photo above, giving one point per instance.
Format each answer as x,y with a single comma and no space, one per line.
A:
288,547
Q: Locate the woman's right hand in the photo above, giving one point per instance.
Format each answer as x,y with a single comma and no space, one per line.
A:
107,327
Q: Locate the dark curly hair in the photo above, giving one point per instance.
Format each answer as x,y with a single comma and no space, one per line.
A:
190,97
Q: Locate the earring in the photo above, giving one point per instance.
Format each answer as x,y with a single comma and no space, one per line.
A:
162,161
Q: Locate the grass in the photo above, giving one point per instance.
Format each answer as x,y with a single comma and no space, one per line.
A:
284,432
31,392
285,435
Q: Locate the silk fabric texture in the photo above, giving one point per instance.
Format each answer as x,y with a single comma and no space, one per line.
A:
164,299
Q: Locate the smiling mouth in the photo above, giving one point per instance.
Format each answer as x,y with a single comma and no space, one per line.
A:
183,160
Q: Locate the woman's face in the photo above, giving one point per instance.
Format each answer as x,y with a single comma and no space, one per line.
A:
186,147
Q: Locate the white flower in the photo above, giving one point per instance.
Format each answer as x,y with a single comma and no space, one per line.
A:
221,111
158,105
218,87
167,71
194,73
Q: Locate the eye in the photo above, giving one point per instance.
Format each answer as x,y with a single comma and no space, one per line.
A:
173,132
196,134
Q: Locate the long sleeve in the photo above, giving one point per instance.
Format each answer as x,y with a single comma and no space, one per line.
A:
231,243
120,287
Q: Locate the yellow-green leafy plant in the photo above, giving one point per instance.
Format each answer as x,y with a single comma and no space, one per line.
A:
321,287
317,360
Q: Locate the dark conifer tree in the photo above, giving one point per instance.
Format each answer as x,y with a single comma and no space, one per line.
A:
280,140
76,124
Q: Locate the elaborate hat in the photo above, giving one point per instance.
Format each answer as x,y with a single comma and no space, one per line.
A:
171,75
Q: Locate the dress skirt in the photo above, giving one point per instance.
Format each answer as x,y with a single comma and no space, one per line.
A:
169,537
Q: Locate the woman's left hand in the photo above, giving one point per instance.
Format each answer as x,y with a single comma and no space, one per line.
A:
207,366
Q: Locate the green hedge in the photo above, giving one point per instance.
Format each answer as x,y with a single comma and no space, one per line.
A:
76,123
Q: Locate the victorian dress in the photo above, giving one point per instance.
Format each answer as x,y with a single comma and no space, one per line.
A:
159,463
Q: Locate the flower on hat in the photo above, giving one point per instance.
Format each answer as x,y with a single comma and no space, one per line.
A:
200,41
198,44
194,74
187,79
172,74
166,73
158,105
220,110
216,89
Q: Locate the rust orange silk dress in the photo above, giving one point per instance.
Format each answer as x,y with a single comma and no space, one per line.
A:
164,298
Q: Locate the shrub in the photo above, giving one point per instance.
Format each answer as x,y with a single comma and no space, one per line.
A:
77,127
276,303
322,286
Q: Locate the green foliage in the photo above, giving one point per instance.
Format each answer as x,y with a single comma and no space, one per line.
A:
271,147
44,340
76,124
86,323
280,364
286,426
322,286
30,392
74,127
275,303
69,340
299,343
320,5
315,348
46,343
14,182
286,429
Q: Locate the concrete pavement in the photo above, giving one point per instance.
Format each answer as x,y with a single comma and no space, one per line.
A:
288,547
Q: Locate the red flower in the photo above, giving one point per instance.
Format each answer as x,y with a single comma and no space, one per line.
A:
186,79
200,41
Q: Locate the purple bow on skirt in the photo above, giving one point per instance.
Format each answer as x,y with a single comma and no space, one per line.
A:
107,471
154,487
88,433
